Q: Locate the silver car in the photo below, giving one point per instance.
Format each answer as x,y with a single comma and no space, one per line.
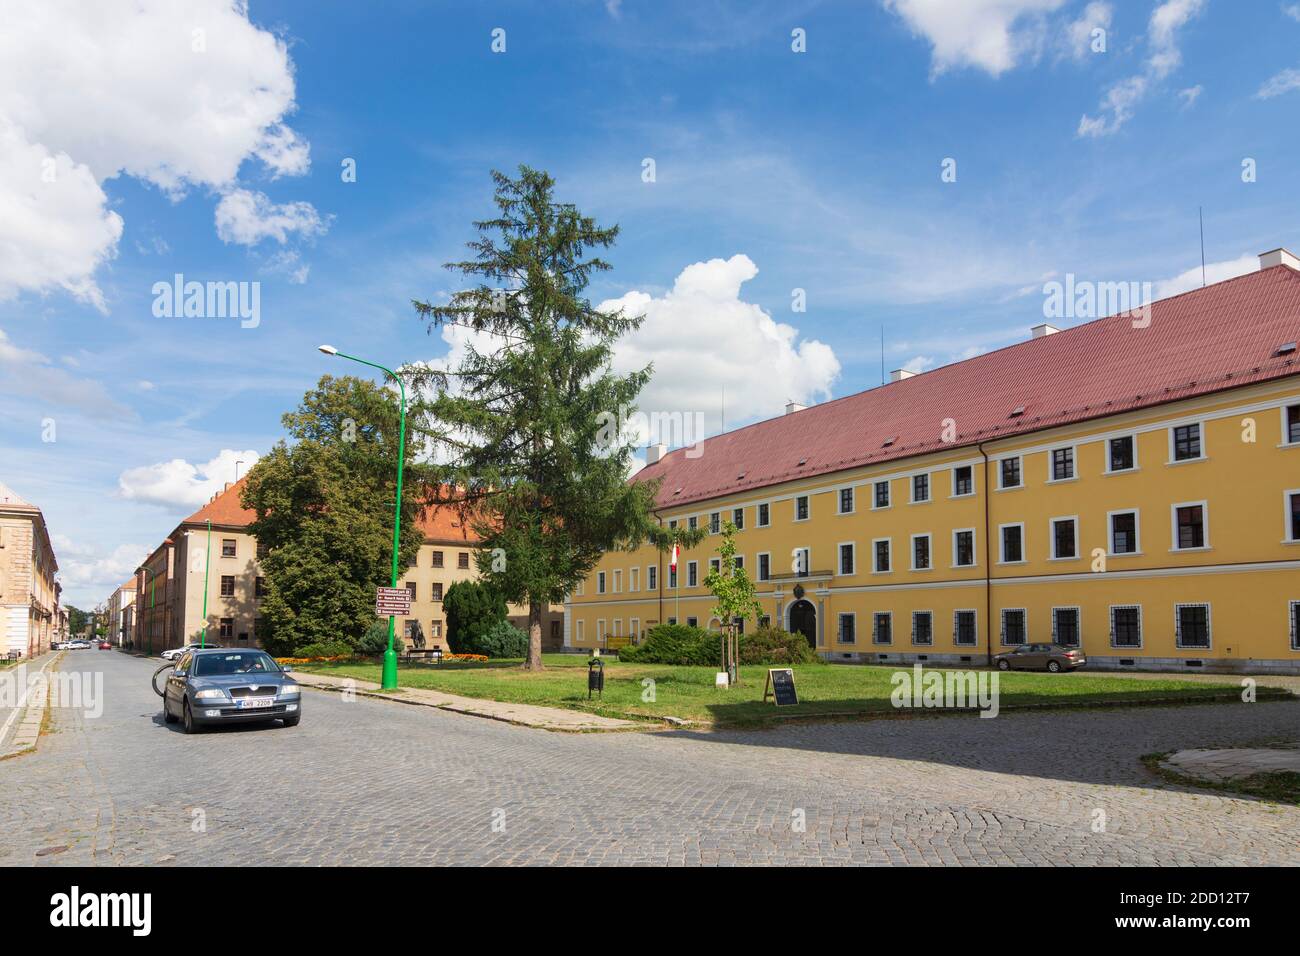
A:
1041,657
229,686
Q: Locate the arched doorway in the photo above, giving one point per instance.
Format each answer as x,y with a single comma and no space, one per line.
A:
803,620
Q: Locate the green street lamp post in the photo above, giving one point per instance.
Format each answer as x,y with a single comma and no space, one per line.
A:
207,562
389,679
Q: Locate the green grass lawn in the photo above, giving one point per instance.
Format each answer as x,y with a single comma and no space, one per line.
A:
689,692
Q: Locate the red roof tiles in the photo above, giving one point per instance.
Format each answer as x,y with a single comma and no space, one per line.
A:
1219,337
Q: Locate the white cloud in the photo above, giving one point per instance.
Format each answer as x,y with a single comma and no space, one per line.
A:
1190,95
88,576
991,35
247,217
1283,82
30,375
177,483
705,340
126,87
1293,11
1095,16
1164,56
1214,272
918,363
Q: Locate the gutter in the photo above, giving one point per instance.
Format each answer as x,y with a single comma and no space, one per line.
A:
988,567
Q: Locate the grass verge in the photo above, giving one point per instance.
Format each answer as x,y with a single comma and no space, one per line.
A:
1279,786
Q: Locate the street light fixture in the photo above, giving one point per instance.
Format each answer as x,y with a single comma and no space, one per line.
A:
389,678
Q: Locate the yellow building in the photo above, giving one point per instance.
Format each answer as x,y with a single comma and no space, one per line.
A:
30,615
1130,485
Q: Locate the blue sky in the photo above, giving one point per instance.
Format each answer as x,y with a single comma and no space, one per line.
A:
774,171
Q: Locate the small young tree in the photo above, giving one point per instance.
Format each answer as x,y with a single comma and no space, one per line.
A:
734,592
471,609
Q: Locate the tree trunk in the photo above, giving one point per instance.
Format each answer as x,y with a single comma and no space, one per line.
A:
534,662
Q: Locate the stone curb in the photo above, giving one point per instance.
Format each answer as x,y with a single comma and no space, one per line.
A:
27,733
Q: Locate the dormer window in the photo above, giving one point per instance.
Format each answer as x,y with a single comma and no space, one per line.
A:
1017,411
1285,349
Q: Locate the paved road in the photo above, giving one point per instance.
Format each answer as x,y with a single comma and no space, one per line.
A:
368,781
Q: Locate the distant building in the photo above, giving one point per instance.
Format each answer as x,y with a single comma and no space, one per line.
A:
29,595
168,608
119,614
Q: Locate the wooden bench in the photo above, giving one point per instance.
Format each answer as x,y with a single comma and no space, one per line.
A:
422,653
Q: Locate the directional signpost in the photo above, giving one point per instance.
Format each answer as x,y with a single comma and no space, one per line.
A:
392,602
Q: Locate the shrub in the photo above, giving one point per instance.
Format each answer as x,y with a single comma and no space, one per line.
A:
324,649
502,640
471,609
675,644
771,645
375,641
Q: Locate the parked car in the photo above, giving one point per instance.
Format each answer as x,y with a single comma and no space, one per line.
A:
77,646
58,645
176,652
105,646
230,685
1040,657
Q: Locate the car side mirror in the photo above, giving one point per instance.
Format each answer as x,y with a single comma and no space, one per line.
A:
286,669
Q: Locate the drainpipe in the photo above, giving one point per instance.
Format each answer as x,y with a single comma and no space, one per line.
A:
988,567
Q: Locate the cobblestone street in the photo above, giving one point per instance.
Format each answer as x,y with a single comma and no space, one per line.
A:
371,782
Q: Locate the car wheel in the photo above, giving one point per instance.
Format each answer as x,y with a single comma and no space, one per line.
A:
292,721
168,716
1054,666
1004,665
188,720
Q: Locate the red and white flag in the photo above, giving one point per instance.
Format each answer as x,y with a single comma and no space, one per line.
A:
673,565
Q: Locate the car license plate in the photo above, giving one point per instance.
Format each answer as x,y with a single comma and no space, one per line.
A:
252,703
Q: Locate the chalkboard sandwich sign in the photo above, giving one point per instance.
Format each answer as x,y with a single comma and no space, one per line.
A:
780,687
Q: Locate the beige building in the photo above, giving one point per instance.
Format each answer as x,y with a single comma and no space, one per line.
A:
118,611
168,609
29,596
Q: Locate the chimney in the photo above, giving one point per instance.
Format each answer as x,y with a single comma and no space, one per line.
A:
1040,331
792,407
1278,257
898,374
654,453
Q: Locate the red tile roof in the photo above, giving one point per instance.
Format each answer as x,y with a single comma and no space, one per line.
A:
1219,337
440,524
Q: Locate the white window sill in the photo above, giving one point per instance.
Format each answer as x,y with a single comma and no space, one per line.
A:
924,501
1120,471
1123,554
969,494
1190,550
1013,488
1187,461
1061,481
1012,563
1073,557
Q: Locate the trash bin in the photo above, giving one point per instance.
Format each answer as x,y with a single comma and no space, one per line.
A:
595,677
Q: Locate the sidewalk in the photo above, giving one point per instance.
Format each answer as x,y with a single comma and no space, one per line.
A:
525,715
26,717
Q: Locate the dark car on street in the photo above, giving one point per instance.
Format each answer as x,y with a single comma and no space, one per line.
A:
1041,657
228,686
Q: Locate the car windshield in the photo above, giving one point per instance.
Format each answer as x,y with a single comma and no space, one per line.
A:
238,662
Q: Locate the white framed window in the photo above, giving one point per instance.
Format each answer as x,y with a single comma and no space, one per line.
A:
922,559
1064,538
1192,626
963,481
600,631
634,629
692,573
882,627
1291,515
1186,443
715,564
963,548
1060,464
764,559
762,514
579,632
618,627
965,627
880,496
1124,528
1067,626
1126,626
634,579
618,581
1189,522
1011,543
920,485
738,518
1290,425
652,577
881,556
1015,627
1121,454
738,561
600,582
1009,473
802,508
848,559
922,628
845,502
846,631
715,522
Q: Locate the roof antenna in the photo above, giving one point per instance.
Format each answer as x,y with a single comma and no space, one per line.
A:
1201,217
882,355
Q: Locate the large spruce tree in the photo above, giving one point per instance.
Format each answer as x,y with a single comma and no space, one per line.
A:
520,419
